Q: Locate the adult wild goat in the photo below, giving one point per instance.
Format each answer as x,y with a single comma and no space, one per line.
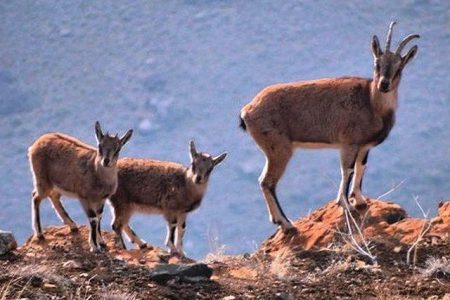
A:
351,114
161,187
63,165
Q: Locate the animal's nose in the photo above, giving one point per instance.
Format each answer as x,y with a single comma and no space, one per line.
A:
384,84
198,179
106,161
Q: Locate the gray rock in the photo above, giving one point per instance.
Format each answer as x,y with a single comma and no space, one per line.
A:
7,242
185,272
283,296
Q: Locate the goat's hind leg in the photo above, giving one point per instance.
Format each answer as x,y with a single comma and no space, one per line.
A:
133,237
35,215
55,198
278,153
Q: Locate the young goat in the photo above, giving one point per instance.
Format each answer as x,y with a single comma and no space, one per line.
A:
159,187
352,114
63,165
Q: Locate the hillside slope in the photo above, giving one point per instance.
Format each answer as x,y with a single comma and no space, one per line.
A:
315,262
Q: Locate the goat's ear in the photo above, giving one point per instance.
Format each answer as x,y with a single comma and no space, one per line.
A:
126,137
410,55
376,50
98,132
192,150
218,159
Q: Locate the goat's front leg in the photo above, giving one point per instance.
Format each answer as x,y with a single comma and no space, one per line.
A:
357,199
117,227
170,238
55,198
93,222
348,158
99,213
180,230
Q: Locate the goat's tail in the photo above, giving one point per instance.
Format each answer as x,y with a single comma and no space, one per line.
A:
242,122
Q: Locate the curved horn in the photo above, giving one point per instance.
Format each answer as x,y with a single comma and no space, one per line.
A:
405,41
389,36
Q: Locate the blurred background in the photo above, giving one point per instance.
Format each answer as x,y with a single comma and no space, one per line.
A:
176,70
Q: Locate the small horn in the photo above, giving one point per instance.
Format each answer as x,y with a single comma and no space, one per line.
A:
389,36
405,41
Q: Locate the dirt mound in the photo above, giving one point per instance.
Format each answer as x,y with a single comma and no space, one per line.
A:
383,222
61,238
61,267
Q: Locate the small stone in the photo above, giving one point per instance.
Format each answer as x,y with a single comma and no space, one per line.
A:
71,264
283,296
7,242
231,297
49,286
397,249
162,273
35,280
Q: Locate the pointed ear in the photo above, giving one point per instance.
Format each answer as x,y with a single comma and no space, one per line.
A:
98,132
376,50
410,55
192,150
218,159
126,137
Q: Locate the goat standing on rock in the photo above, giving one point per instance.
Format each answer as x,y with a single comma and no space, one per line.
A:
352,114
160,187
63,165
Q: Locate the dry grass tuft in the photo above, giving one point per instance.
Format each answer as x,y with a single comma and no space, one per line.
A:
117,295
437,267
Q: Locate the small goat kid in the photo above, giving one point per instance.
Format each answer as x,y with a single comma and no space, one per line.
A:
352,114
159,187
63,165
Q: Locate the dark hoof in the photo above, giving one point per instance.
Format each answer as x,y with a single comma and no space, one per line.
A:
361,206
121,245
178,254
289,230
39,238
94,250
74,230
143,246
103,246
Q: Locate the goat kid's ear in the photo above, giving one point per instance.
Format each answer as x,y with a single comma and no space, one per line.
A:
98,132
192,150
126,137
218,159
410,55
376,50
